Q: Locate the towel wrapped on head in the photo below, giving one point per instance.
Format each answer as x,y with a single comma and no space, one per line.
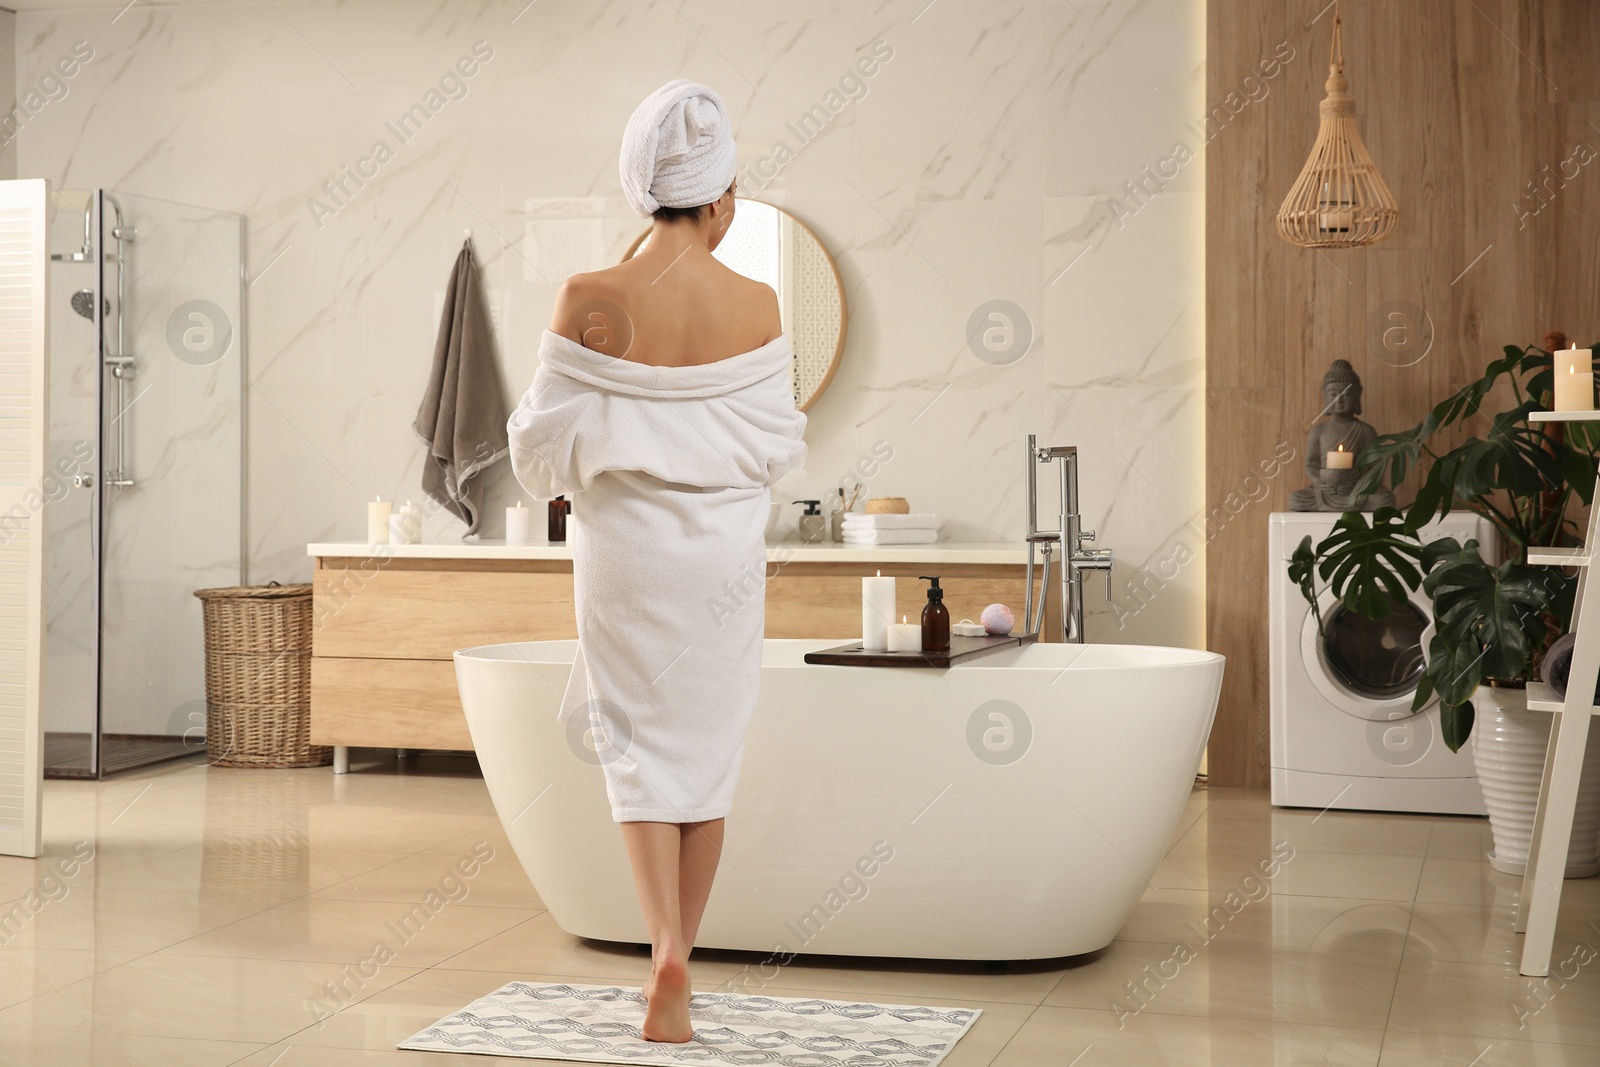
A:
678,149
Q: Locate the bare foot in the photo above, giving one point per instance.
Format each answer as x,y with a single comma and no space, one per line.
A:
666,1017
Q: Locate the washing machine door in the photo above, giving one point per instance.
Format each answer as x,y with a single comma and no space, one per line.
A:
1368,668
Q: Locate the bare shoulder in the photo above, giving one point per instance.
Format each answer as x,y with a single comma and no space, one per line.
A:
763,304
587,310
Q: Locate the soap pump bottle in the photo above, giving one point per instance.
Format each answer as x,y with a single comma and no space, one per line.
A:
813,524
935,619
557,526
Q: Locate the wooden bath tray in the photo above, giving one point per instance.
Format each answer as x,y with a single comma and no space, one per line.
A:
853,655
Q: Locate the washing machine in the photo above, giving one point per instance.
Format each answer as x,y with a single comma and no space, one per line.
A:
1343,734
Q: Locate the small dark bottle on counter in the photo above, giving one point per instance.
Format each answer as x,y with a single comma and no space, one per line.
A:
558,520
935,619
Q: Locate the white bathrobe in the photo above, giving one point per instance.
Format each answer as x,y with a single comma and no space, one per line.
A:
670,471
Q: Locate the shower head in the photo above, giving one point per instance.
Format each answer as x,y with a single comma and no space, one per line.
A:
83,304
86,253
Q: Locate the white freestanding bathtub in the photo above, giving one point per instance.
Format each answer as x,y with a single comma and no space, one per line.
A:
1010,807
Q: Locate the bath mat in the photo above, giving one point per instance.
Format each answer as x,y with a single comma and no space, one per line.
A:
600,1024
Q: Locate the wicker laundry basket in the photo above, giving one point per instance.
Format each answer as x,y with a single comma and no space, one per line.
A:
258,676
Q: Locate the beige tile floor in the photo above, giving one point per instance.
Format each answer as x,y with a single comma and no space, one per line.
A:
229,916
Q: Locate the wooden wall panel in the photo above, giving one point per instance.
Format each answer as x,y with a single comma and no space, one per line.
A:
1457,112
1565,234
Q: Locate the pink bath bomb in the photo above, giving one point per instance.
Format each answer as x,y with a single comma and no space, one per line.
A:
997,619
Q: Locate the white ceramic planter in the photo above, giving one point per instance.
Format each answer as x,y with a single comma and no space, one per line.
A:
1508,747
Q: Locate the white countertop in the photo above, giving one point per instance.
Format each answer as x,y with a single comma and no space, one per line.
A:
777,551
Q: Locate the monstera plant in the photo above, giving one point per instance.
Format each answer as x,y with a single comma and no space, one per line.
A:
1492,624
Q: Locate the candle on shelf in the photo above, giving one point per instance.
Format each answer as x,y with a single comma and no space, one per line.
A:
1574,380
519,522
877,608
1340,460
905,636
412,517
399,532
378,522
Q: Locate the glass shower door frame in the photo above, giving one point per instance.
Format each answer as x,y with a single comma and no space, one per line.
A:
128,680
97,505
114,473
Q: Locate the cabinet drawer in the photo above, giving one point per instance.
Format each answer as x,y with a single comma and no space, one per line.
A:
390,703
390,612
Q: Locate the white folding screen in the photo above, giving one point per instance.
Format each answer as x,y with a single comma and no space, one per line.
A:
24,423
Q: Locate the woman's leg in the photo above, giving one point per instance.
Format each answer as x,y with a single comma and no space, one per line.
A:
654,850
674,866
697,867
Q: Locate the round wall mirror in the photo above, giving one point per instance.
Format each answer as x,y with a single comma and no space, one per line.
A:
770,245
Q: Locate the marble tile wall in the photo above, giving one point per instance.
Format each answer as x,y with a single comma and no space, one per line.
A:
8,81
1005,150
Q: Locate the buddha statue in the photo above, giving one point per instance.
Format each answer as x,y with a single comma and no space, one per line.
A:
1340,432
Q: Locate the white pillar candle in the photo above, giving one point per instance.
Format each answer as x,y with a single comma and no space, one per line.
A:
905,636
877,608
1340,460
1574,380
519,521
399,532
378,522
1569,360
413,522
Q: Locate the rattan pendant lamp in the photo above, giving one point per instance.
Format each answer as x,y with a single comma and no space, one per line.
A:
1340,199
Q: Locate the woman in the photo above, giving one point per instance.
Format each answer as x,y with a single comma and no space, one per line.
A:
664,403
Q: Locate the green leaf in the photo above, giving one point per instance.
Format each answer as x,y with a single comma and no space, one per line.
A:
1487,620
1371,568
1433,499
1396,452
1424,693
1456,669
1446,550
1455,722
1302,572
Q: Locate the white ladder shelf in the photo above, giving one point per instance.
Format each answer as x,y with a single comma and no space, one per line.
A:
1540,899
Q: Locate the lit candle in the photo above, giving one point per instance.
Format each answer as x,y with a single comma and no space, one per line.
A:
1574,380
1340,460
378,522
877,608
519,522
905,636
1336,215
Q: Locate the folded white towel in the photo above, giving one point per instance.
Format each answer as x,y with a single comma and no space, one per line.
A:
917,520
678,149
891,537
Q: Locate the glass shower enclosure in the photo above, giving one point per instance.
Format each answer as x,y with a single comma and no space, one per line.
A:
144,482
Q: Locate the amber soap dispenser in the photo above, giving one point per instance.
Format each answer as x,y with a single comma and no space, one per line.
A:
935,619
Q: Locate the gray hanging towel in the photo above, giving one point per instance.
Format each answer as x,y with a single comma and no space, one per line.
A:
462,419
